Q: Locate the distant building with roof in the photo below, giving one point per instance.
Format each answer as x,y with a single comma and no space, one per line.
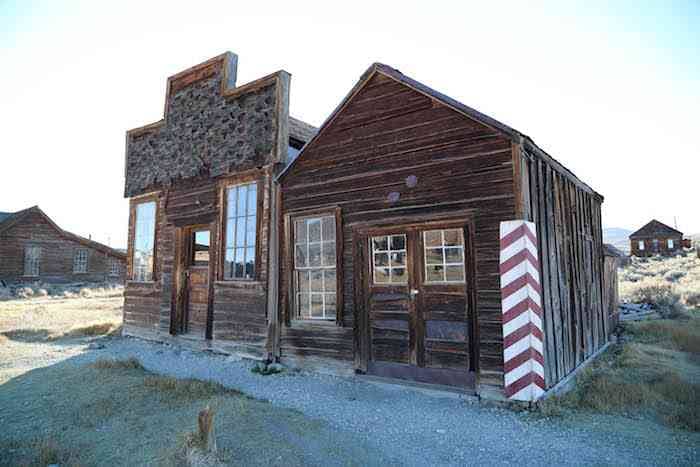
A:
33,248
656,238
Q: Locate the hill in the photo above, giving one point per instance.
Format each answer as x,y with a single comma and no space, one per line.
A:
617,237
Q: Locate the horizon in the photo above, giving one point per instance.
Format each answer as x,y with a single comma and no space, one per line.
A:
614,98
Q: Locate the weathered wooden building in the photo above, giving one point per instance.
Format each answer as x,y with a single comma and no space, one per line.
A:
392,258
200,181
656,238
403,241
34,249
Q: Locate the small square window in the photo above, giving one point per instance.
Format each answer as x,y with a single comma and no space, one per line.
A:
444,256
389,259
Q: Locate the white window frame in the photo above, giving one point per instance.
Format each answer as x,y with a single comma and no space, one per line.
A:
144,274
444,262
80,261
309,268
115,268
640,245
670,244
32,262
389,251
231,235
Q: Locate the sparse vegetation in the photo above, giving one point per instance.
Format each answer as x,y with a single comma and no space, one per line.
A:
654,371
113,364
669,284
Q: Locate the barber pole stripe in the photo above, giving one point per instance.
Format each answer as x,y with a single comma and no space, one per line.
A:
523,354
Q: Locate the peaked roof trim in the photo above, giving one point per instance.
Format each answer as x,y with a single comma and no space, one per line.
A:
455,105
18,216
649,225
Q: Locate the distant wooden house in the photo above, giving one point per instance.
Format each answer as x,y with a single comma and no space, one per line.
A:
33,248
656,238
402,242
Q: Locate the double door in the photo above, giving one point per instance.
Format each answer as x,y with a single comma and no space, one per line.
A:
418,303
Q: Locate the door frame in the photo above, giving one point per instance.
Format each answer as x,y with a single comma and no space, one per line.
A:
183,252
363,285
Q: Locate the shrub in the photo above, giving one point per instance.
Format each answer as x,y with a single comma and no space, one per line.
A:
113,364
674,276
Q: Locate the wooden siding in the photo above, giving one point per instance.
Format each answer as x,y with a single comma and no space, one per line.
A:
569,232
57,254
238,309
395,156
661,249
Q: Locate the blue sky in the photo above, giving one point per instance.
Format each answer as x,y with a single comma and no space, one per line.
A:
610,89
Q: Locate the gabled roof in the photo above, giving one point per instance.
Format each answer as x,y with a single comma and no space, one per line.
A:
654,229
474,114
17,217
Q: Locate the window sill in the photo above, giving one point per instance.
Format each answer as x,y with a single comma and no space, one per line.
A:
140,282
239,283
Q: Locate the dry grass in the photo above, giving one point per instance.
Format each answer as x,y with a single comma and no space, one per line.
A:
53,319
40,452
114,364
656,372
178,390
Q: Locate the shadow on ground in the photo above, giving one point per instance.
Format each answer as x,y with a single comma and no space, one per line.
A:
74,413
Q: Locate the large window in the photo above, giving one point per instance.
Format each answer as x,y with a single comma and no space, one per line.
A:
32,258
80,261
315,267
444,255
669,244
389,259
144,240
241,224
641,245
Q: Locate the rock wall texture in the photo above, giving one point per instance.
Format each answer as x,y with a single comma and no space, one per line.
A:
204,134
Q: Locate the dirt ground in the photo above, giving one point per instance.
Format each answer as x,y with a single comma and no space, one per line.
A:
58,406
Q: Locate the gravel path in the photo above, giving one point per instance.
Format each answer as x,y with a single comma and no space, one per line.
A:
414,428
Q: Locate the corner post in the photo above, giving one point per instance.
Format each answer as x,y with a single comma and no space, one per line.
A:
523,337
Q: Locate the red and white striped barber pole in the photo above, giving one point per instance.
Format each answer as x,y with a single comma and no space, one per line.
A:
523,357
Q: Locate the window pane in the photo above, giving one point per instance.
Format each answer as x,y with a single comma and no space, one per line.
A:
433,256
230,232
314,230
398,242
381,259
240,232
328,253
200,249
381,275
300,259
330,305
433,238
317,305
303,305
144,238
315,254
250,231
398,259
453,255
252,198
453,237
240,261
454,273
300,232
328,228
380,243
435,274
316,280
329,280
228,264
241,201
250,263
302,281
398,276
